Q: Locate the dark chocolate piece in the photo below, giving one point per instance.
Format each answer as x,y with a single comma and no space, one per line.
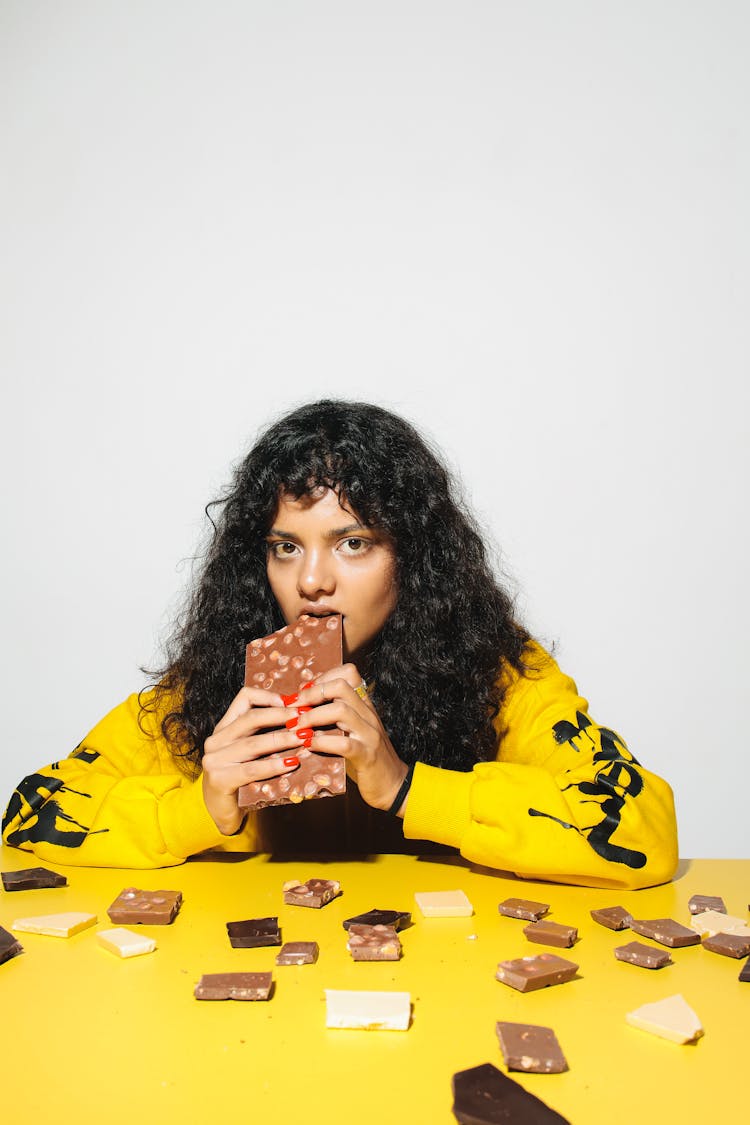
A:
32,879
551,933
298,953
9,946
484,1095
251,933
399,919
530,973
528,1047
315,892
698,903
647,956
613,917
234,986
152,908
282,662
666,931
731,945
373,943
745,972
523,908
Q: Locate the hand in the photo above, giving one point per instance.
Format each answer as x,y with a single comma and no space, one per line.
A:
371,760
250,743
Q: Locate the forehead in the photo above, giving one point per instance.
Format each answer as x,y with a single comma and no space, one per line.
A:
318,508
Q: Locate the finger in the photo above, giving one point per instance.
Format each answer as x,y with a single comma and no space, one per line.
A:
255,720
245,699
229,778
251,748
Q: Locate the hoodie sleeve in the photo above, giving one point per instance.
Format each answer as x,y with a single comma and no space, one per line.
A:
565,801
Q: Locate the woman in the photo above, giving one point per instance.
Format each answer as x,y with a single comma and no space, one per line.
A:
458,730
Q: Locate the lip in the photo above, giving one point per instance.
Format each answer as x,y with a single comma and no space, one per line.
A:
319,611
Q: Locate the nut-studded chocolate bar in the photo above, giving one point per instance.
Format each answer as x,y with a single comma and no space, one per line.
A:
282,662
234,986
153,908
373,943
527,974
315,892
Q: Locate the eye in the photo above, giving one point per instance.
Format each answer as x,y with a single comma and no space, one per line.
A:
354,545
282,549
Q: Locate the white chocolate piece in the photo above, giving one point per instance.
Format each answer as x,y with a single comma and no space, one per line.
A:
444,904
712,922
55,925
125,943
369,1011
672,1019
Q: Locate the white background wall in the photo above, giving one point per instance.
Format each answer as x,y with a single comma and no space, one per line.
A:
522,225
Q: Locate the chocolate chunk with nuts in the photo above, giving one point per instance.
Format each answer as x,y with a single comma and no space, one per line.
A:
646,956
730,945
531,1048
315,892
523,908
551,933
613,917
373,943
698,903
234,986
527,974
297,953
134,907
666,931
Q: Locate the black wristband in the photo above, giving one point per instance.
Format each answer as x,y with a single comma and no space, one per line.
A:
404,788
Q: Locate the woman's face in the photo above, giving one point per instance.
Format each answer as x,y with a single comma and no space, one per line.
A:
322,560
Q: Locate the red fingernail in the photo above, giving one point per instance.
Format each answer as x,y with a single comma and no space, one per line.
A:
291,761
291,723
307,744
288,700
306,686
305,707
305,732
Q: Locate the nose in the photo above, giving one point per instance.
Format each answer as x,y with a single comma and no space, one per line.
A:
316,577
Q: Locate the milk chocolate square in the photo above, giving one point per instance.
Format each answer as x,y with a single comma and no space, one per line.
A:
613,917
283,662
646,956
252,933
530,1048
523,908
9,946
32,879
551,933
315,892
298,953
234,986
730,945
484,1095
527,974
373,943
698,903
666,931
152,908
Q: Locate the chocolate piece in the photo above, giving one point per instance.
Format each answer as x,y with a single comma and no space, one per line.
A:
666,931
253,932
373,943
523,908
152,908
551,933
528,1047
31,879
745,972
368,1011
484,1095
613,917
530,973
698,903
647,956
124,943
56,925
298,953
710,922
315,892
9,946
443,904
234,986
282,662
399,919
672,1019
731,945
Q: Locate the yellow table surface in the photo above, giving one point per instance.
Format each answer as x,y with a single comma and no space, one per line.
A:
88,1037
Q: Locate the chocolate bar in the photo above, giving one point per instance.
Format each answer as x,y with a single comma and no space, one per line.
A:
373,943
368,1011
399,919
551,933
234,986
613,917
666,931
483,1095
698,903
444,904
9,946
527,974
31,879
528,1047
66,924
647,956
710,922
315,892
672,1019
124,943
254,932
745,972
283,662
730,945
523,908
298,953
134,907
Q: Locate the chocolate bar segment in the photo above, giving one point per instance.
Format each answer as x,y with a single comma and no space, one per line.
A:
551,933
234,986
298,953
251,933
730,945
282,662
373,943
483,1095
646,956
745,972
9,946
528,1047
315,892
527,974
666,931
523,908
399,919
613,917
32,879
698,903
134,907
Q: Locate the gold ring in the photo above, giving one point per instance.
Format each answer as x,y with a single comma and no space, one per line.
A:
361,690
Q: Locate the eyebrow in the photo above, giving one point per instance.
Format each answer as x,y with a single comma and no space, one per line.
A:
334,533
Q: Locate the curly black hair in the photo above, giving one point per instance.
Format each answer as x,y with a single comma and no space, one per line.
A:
437,661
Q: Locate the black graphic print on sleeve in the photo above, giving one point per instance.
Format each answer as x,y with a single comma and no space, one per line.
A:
40,817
